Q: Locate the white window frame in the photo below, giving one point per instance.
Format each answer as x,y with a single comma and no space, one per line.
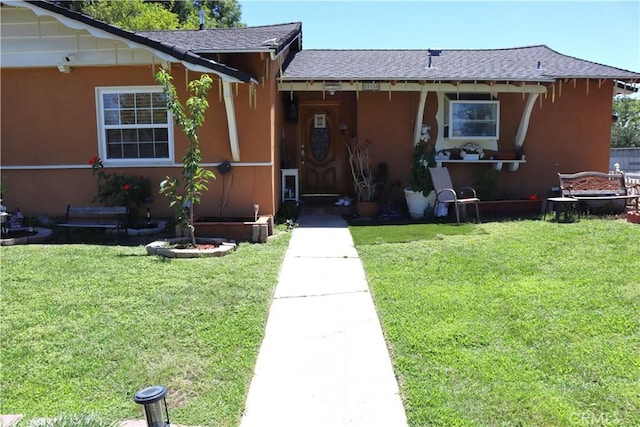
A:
102,128
495,119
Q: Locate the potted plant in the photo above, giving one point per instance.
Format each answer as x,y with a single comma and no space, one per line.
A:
471,151
364,178
420,194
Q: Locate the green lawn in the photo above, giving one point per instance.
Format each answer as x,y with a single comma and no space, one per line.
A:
84,327
528,323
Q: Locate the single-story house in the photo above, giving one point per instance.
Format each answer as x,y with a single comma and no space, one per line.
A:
74,87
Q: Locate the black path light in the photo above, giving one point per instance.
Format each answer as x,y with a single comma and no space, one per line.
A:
153,399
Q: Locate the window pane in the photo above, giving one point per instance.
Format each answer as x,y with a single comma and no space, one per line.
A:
130,151
162,151
127,100
146,150
159,100
110,100
144,116
127,117
111,117
160,135
160,115
143,100
145,134
130,135
114,135
114,151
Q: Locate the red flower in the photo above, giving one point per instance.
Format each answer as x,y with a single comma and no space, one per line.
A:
126,187
141,176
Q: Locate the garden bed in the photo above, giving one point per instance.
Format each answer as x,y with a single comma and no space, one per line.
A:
510,208
235,228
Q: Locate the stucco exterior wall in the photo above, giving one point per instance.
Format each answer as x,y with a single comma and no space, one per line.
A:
567,132
49,119
49,133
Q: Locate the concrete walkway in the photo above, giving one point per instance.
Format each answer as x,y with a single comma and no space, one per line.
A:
323,361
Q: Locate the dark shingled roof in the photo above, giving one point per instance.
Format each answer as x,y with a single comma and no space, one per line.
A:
237,39
533,63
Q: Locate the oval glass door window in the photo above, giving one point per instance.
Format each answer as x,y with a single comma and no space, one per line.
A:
319,143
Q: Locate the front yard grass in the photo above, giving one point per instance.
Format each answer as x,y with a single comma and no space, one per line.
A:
84,327
510,323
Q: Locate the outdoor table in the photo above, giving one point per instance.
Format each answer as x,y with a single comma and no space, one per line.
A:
563,206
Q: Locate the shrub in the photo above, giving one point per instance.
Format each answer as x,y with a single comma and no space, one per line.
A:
121,190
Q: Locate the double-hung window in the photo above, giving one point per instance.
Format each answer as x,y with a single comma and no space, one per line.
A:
134,125
474,119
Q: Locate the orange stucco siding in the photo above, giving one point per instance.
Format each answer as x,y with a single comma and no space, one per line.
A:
49,120
45,127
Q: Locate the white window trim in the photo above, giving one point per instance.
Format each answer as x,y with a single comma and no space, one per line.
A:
102,143
479,137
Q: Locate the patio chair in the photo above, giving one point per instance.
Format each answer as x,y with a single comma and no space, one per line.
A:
445,193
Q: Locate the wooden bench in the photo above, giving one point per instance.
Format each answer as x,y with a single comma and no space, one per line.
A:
597,186
106,217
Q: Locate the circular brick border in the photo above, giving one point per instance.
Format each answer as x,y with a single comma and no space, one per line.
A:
42,234
163,248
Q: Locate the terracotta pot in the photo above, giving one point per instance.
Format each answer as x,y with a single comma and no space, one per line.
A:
367,209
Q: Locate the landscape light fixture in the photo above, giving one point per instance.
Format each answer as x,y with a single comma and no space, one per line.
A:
153,399
256,209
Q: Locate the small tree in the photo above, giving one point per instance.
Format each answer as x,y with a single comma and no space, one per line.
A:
195,177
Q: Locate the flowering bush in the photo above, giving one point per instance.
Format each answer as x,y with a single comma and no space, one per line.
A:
121,190
420,178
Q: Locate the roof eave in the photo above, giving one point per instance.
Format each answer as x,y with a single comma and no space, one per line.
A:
165,51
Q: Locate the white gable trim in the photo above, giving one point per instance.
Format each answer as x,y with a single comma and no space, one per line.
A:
134,53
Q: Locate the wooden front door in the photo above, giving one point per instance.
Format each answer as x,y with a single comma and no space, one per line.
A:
321,150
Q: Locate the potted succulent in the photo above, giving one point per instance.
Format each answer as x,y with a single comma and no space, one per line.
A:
420,194
364,178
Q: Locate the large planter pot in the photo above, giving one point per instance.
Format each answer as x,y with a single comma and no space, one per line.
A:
417,202
367,209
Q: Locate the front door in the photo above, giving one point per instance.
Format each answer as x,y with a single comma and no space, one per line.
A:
321,150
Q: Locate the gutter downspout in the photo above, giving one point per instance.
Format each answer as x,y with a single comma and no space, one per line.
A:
231,120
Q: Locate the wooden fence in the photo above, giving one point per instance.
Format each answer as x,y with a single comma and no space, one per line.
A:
627,158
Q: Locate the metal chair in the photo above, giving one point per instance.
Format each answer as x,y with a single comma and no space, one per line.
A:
445,192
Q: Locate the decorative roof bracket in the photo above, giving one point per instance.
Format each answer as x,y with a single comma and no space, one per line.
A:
420,114
231,121
524,121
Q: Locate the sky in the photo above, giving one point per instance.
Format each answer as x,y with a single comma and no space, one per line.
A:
606,32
